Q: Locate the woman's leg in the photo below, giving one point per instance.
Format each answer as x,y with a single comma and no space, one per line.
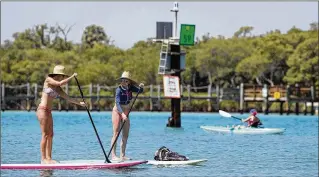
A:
50,141
125,133
43,120
116,119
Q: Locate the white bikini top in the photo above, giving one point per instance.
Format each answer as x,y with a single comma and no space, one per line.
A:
52,93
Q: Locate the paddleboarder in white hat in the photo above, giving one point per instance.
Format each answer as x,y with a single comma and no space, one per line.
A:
120,111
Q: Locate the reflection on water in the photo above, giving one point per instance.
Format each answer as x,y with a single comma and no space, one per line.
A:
46,173
125,170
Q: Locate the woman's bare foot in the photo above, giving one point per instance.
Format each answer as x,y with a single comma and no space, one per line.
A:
125,158
53,161
115,158
45,161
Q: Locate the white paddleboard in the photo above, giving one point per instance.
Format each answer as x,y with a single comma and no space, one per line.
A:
187,162
73,165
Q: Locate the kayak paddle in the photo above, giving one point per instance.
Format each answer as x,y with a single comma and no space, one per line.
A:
226,114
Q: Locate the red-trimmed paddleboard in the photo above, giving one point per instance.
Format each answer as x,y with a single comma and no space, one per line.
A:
73,166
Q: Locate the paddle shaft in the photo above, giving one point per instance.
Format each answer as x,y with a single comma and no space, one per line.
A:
97,135
236,117
117,136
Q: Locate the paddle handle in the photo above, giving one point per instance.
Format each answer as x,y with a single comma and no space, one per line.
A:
97,135
117,136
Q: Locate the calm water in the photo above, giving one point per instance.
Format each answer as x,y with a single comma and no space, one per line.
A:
294,153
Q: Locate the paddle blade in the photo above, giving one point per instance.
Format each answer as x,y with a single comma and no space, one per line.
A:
224,114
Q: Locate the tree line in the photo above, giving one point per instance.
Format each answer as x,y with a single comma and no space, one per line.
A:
272,58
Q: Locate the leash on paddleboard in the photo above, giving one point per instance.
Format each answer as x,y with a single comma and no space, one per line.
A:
97,135
117,136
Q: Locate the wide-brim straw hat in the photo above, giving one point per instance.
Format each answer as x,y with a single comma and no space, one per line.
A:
58,70
127,75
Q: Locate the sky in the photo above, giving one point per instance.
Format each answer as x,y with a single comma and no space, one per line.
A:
129,22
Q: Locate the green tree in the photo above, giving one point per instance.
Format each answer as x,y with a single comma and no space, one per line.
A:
272,58
94,34
243,31
303,63
275,49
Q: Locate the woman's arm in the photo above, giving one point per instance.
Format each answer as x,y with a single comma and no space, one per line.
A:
139,89
117,100
118,105
53,82
66,97
245,120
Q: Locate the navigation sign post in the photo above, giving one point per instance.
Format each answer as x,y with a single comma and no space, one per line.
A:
187,35
171,52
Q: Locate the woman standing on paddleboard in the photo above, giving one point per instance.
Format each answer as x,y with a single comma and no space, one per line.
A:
51,90
121,110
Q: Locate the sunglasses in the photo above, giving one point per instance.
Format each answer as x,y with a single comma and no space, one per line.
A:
125,80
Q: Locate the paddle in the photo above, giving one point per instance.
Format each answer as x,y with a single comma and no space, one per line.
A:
123,123
97,135
226,114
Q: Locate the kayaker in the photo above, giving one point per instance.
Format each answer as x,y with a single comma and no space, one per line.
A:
51,90
120,111
253,120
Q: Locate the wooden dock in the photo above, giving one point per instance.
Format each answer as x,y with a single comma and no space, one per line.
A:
281,94
27,97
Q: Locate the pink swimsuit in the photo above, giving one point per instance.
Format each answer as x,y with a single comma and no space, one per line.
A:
250,122
46,109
